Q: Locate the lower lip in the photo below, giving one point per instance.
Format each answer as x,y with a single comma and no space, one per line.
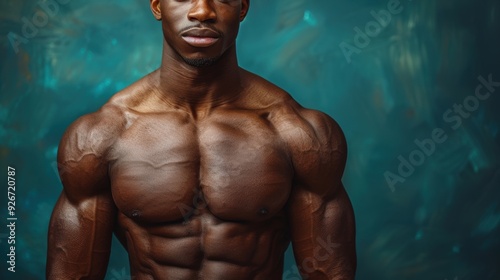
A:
200,42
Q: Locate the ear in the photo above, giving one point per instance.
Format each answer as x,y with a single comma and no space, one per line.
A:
155,8
245,4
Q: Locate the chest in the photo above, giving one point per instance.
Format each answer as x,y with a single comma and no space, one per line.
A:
167,170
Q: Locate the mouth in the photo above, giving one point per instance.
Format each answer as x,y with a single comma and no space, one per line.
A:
200,37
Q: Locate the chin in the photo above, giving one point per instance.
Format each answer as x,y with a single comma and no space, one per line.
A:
201,61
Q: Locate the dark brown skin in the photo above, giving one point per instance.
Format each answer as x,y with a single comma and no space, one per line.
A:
203,172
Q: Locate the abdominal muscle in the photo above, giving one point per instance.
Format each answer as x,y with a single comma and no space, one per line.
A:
206,247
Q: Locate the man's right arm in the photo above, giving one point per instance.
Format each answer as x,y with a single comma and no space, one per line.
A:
81,226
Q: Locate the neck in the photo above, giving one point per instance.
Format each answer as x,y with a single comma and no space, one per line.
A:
198,89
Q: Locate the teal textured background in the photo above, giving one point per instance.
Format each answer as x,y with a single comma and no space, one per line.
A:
440,220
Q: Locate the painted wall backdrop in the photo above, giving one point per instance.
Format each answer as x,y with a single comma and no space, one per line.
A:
414,84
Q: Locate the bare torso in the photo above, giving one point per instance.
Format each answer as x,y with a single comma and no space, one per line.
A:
202,198
214,191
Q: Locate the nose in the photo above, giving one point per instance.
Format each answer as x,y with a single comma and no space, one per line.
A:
202,11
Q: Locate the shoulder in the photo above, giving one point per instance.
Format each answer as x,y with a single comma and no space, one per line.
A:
326,130
81,157
92,134
308,129
83,153
313,132
316,145
302,128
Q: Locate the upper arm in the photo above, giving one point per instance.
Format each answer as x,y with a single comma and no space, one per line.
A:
320,212
82,222
319,152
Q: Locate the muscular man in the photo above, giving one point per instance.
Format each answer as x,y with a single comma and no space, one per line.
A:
202,169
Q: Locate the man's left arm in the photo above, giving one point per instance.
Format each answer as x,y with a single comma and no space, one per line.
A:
320,212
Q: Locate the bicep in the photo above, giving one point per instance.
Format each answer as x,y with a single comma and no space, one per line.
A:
323,234
80,237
